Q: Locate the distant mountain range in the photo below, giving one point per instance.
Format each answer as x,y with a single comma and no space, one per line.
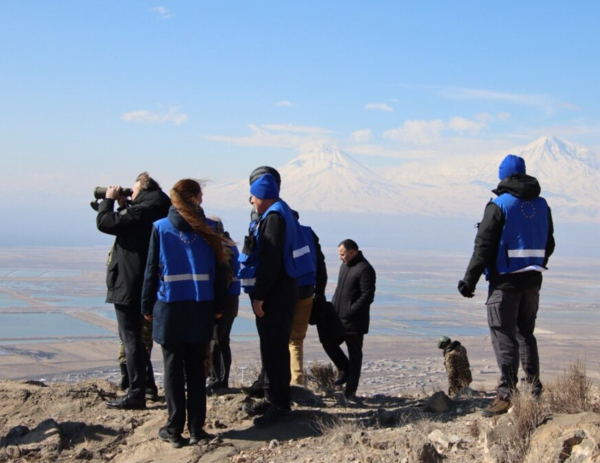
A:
325,179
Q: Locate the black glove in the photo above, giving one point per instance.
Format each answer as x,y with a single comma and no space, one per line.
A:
465,290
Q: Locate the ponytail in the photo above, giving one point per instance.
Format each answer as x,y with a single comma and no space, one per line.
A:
183,197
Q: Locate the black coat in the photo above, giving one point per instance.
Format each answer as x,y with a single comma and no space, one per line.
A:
354,294
488,236
132,227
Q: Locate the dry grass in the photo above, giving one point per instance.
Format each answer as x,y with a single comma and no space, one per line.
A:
321,376
528,413
245,374
342,434
572,392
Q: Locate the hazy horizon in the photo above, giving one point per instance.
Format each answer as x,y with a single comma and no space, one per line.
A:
93,93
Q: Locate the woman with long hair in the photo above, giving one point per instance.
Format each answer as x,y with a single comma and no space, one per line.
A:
184,286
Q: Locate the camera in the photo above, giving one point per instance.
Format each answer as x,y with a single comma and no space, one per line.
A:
100,192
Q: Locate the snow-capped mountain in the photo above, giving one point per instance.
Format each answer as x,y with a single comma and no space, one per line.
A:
569,175
327,180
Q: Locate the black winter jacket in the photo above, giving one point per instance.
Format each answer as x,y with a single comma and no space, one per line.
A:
132,226
354,294
271,276
488,237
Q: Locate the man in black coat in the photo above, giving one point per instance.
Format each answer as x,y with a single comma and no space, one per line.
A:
352,300
131,224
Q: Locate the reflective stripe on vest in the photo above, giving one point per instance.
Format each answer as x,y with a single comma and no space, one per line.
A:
526,253
310,279
187,276
300,252
186,265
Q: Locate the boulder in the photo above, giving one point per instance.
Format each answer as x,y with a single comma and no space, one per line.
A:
566,439
386,417
493,434
304,397
442,442
428,454
438,403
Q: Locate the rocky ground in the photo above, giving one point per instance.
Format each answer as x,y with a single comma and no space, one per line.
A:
68,422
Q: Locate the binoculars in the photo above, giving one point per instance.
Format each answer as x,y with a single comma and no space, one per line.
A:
100,192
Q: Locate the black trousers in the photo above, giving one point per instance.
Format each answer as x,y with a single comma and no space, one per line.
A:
220,365
184,367
274,330
129,320
350,364
511,318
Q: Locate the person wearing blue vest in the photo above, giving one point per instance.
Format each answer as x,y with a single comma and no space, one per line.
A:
311,287
514,241
274,257
185,284
220,364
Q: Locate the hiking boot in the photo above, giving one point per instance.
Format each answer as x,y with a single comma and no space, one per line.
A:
341,379
273,415
256,408
498,407
196,437
126,403
175,440
255,391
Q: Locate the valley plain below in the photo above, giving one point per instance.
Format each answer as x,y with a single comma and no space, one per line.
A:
54,324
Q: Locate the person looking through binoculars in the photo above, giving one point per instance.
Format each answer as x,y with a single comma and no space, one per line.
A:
131,224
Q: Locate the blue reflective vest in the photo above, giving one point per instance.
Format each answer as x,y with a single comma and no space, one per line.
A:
249,260
310,279
524,237
296,253
186,265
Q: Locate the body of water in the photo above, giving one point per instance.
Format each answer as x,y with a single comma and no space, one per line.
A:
46,325
410,301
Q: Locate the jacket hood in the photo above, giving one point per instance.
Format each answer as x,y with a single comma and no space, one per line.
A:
521,186
153,198
453,345
178,221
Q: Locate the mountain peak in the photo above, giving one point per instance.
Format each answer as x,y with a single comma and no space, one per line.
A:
321,154
554,149
324,178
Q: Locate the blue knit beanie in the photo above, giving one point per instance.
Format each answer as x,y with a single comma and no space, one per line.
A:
512,164
265,187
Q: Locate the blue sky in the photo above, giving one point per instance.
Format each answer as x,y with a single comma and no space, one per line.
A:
93,92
